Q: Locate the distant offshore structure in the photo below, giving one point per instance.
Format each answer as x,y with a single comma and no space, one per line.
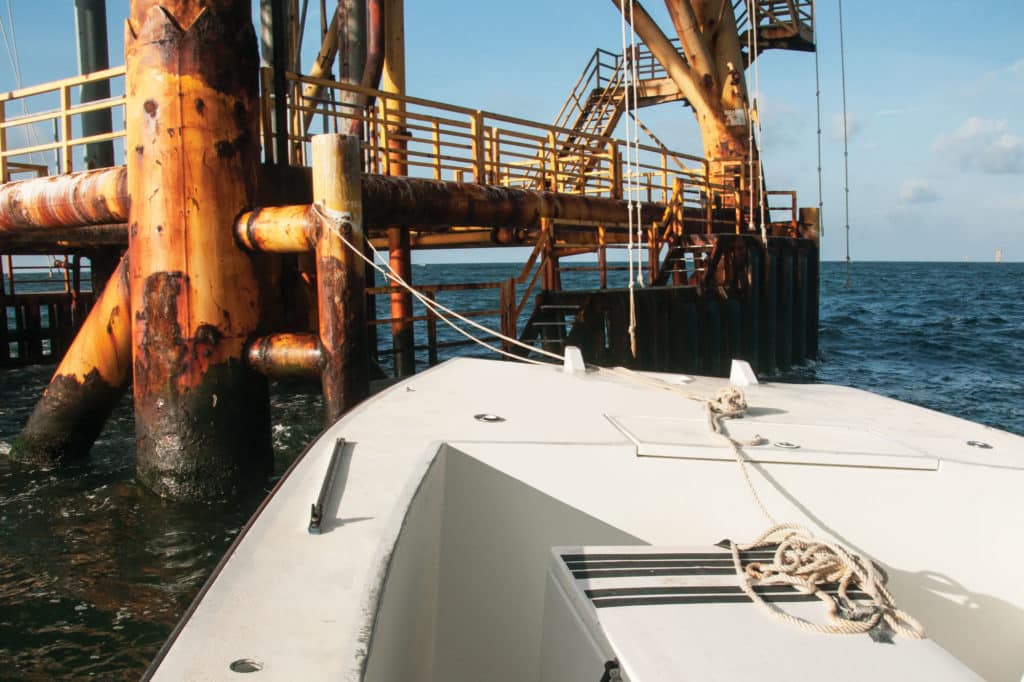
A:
999,255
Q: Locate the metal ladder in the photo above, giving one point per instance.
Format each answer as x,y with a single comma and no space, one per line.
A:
551,321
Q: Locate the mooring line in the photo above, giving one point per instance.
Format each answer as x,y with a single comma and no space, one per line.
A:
846,146
336,220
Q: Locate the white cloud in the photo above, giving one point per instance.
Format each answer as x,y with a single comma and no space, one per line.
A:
853,125
891,113
986,145
917,192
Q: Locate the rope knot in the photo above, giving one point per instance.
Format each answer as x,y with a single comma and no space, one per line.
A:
339,222
808,564
728,402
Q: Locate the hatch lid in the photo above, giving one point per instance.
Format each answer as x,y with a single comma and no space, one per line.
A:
786,443
665,614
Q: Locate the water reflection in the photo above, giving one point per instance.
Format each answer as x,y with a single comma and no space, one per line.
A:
94,570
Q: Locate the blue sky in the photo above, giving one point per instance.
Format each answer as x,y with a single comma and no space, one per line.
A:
935,91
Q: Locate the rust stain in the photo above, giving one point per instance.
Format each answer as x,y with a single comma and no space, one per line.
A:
225,149
112,319
162,349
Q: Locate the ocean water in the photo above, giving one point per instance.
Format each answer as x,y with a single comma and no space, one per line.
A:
95,571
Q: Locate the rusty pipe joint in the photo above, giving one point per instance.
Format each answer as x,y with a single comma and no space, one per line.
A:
509,235
278,229
286,356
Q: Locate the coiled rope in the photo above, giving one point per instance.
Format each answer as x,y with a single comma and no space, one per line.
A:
801,560
804,561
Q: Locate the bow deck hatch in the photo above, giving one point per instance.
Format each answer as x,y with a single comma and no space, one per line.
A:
785,443
655,614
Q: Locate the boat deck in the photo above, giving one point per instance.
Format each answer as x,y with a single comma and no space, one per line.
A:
410,577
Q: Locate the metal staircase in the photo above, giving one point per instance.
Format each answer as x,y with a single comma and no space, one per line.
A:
554,313
596,104
780,24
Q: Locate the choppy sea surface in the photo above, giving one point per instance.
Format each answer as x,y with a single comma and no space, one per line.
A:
95,571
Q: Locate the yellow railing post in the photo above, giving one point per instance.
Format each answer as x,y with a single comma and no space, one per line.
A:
384,132
553,162
495,161
437,150
615,169
295,130
665,195
266,87
65,128
476,128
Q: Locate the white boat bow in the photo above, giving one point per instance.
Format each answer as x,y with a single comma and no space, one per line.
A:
435,559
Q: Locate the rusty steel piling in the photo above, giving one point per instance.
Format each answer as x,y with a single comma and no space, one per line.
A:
201,415
89,381
340,273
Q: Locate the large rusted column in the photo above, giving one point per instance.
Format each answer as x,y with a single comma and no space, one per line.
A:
341,288
202,417
89,381
710,75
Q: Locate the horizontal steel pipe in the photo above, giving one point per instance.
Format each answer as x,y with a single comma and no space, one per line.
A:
63,238
285,356
101,197
425,203
503,236
278,229
94,197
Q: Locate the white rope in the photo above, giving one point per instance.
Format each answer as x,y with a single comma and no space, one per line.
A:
632,174
754,122
800,560
752,21
335,221
634,113
846,146
628,182
817,97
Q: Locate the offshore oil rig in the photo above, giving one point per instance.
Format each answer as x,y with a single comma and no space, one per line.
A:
228,244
